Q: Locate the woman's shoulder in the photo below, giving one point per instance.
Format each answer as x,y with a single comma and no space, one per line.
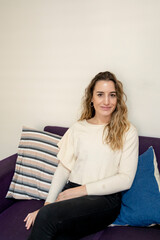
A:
132,130
76,125
132,126
79,124
83,126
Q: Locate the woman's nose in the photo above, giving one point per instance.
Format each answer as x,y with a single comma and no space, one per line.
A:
106,100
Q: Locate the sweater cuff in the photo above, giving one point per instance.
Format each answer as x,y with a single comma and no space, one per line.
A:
89,189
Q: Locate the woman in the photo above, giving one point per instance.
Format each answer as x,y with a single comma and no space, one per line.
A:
98,159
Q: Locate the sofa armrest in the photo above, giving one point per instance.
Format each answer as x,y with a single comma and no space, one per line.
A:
7,167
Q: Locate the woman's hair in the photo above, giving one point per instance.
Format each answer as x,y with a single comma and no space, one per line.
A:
119,123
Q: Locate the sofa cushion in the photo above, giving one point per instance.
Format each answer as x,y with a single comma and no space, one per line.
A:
35,165
141,203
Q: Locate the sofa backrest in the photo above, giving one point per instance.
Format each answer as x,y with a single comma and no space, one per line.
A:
56,130
144,142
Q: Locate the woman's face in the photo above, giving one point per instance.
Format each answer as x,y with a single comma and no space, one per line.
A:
104,99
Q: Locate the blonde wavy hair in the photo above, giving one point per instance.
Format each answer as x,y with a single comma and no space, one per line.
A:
119,123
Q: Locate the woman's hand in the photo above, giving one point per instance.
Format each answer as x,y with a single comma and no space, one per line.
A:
30,219
72,193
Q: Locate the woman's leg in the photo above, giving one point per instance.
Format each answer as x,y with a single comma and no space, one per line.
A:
75,217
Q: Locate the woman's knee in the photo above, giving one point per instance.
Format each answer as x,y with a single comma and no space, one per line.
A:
45,225
43,214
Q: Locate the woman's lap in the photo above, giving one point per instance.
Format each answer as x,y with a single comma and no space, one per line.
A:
89,214
76,217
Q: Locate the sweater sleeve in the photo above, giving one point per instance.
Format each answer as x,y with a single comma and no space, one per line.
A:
66,150
126,171
59,180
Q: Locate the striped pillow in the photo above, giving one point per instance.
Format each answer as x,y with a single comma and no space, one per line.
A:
35,165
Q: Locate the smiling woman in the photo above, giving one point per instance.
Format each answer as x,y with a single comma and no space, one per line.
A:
98,159
104,102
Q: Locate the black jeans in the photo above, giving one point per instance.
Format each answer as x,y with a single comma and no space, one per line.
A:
75,218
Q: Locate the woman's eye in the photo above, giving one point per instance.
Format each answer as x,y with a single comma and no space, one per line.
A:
99,94
113,95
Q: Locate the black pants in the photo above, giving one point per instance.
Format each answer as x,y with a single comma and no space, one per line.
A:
75,218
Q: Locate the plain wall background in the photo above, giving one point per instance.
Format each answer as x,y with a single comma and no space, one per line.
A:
51,49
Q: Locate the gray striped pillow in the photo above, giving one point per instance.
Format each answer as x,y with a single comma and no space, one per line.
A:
35,165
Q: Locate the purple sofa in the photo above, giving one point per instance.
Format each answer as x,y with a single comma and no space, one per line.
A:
13,212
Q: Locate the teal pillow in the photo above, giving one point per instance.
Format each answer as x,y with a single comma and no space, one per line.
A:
141,203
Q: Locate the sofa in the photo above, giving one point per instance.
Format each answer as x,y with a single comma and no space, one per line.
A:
13,211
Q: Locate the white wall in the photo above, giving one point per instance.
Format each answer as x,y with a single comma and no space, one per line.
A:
50,50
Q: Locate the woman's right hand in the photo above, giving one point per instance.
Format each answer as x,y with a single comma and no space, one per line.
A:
30,219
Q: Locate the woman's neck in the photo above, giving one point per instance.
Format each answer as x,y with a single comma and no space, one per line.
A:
98,121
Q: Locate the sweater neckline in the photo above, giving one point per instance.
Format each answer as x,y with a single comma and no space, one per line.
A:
94,125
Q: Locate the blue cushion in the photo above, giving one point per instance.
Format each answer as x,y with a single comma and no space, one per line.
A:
141,203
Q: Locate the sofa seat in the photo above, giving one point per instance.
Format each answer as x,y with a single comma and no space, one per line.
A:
12,219
126,233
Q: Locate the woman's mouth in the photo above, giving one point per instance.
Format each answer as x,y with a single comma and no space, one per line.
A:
106,108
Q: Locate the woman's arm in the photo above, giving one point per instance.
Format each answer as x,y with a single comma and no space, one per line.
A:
59,180
72,193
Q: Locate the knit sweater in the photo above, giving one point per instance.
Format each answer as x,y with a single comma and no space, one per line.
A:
87,160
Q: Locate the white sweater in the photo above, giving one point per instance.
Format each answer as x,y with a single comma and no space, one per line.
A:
93,163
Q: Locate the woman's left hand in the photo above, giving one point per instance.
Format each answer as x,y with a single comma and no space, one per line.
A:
72,193
30,218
